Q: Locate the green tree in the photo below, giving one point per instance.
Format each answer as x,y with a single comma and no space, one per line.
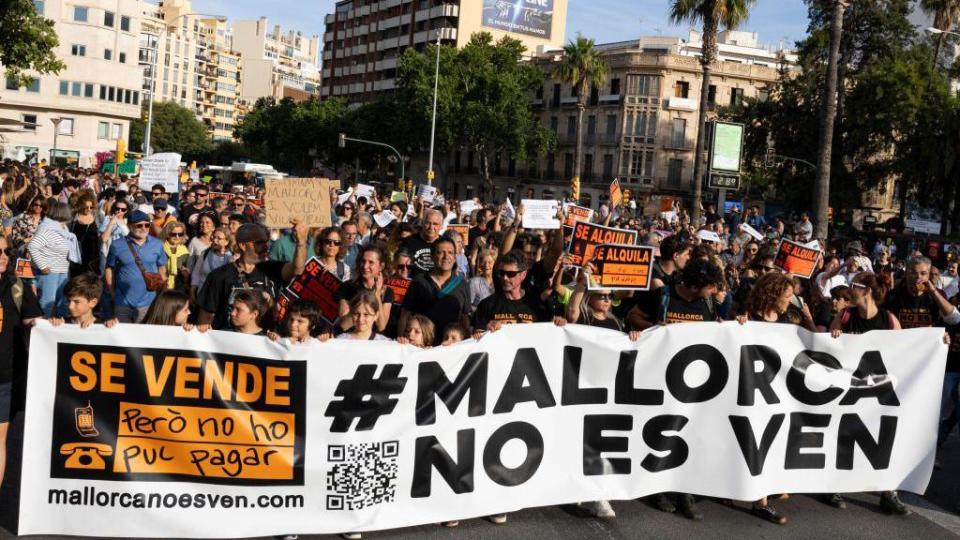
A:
28,42
583,67
175,129
713,14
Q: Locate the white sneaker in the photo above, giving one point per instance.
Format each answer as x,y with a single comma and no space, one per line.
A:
351,536
600,509
289,537
499,519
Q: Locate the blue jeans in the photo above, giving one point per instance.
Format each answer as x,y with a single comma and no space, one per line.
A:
949,406
51,293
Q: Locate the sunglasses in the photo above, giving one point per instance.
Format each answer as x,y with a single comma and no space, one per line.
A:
201,194
88,207
403,267
176,235
36,205
157,194
602,297
142,226
331,242
509,273
8,252
238,205
117,210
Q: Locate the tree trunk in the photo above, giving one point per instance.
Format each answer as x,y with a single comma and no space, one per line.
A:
485,170
936,51
708,52
828,116
578,157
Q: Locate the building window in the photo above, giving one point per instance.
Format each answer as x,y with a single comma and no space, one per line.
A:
78,50
64,88
675,173
79,14
607,167
614,87
103,129
136,98
678,137
712,95
107,54
88,90
30,120
108,18
587,167
551,165
111,93
39,5
643,85
12,85
681,89
571,126
591,125
736,96
103,92
124,23
66,126
554,124
76,89
34,86
116,132
123,58
568,165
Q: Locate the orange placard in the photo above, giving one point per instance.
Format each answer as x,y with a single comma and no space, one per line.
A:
622,267
24,269
574,213
462,230
797,259
587,236
616,194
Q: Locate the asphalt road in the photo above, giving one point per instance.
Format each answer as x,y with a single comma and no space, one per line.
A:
935,516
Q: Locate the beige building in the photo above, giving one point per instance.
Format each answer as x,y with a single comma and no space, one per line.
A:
640,127
276,64
94,98
365,38
221,82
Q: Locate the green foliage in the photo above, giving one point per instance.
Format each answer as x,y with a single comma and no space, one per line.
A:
28,42
175,129
712,14
582,66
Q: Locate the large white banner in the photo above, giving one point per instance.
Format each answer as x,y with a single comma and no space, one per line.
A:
143,431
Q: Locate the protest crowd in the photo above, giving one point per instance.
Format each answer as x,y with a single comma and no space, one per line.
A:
79,247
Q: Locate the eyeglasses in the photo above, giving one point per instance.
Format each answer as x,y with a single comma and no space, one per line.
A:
142,226
201,194
8,252
403,267
238,205
117,210
36,205
329,242
602,297
509,273
176,235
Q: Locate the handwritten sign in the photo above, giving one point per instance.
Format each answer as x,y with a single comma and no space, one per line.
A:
587,236
305,199
400,286
539,214
574,213
622,267
797,259
163,169
317,285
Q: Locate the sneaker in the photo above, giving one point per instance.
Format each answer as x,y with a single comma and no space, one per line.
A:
600,509
288,537
351,536
688,507
769,513
891,504
499,519
836,500
661,502
451,524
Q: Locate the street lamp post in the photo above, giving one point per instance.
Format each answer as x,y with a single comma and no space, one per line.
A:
433,125
56,131
153,74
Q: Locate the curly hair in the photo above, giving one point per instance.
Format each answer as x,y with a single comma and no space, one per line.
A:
766,292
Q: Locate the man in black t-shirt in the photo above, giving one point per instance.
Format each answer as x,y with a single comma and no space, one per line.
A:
418,245
674,255
916,301
510,304
440,295
190,213
253,270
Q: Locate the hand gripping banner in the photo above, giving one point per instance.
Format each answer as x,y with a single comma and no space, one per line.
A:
152,431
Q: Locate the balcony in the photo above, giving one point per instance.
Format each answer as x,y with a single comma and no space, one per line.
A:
682,104
678,145
612,99
569,101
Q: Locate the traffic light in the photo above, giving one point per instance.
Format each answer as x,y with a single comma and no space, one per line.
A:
343,140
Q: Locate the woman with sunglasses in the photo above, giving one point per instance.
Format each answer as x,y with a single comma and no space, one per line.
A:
206,224
114,228
328,249
593,308
173,236
25,225
85,227
346,213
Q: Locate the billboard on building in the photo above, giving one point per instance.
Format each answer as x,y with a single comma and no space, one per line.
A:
727,147
529,17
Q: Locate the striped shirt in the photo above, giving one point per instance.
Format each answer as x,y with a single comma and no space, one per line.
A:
50,250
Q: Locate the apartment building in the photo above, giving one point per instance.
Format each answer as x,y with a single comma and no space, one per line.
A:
276,64
222,80
365,38
88,106
640,126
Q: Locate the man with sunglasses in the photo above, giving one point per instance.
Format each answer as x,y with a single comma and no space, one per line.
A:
123,275
253,270
510,303
190,213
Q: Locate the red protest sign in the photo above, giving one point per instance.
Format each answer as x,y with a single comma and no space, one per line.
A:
616,194
622,267
317,285
797,259
283,302
399,286
576,213
587,236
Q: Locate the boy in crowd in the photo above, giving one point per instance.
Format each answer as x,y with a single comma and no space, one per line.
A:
83,294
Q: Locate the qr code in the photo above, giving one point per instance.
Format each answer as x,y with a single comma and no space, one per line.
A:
363,475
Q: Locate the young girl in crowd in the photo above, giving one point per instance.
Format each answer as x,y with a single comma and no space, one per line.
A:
218,254
364,310
453,334
169,308
301,323
419,332
250,307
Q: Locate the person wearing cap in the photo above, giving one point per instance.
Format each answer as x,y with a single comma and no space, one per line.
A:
126,284
161,216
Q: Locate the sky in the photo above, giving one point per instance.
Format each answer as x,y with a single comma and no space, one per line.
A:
606,21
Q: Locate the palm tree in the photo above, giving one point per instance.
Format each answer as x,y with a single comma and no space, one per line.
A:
828,115
945,14
582,67
713,14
